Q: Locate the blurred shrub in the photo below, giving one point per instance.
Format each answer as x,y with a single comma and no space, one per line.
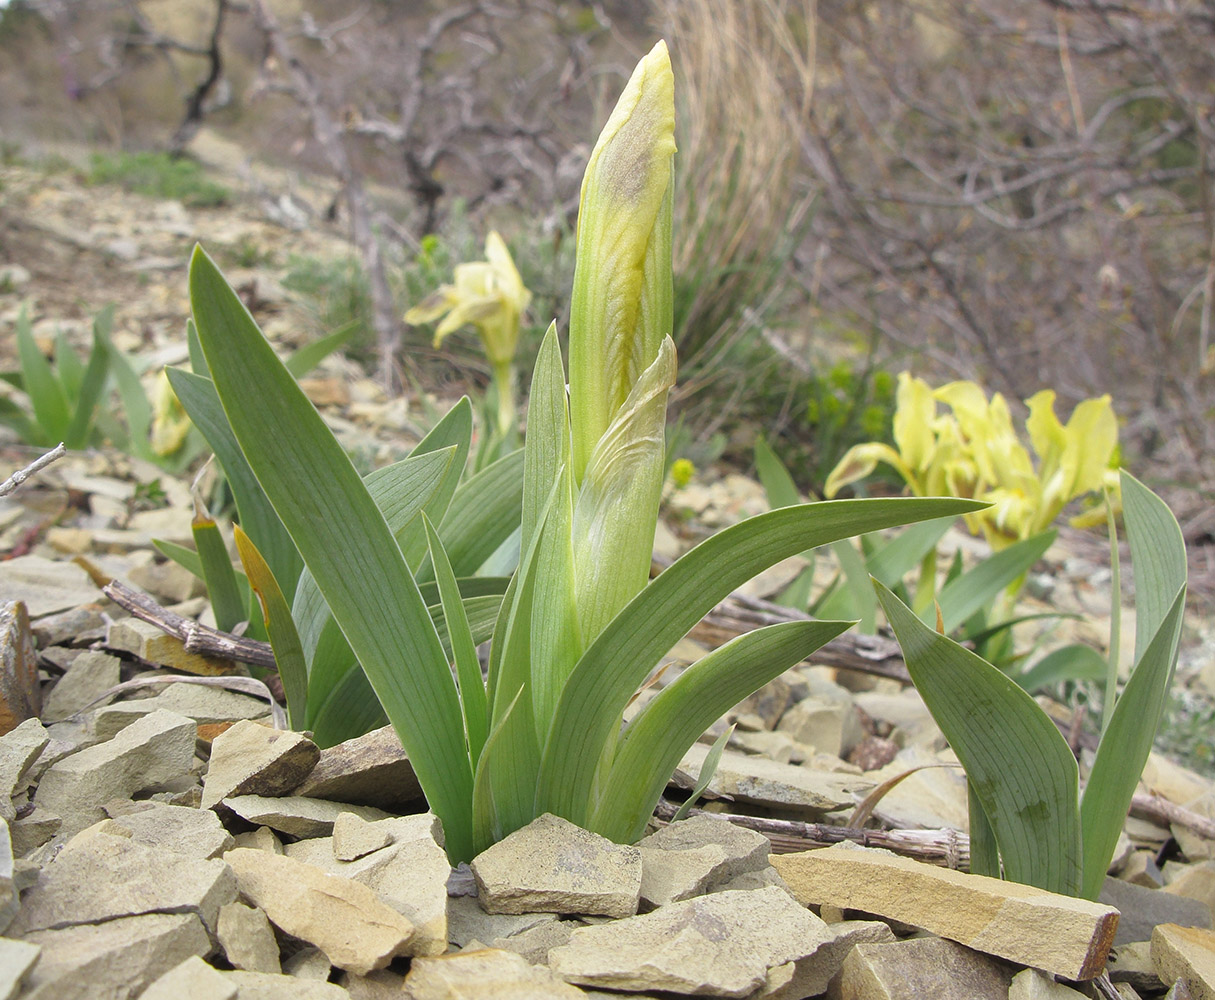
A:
158,175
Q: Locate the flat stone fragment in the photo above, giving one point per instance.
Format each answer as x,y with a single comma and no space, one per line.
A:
922,967
261,839
1030,984
99,876
113,960
697,855
1195,882
811,975
722,944
554,866
248,940
1058,934
383,984
145,640
194,833
1143,908
1132,963
369,770
32,831
467,921
66,626
20,695
205,704
671,876
410,874
296,815
473,975
354,837
308,963
266,986
91,674
193,979
756,779
45,585
536,942
19,748
341,917
255,759
16,960
1185,953
155,749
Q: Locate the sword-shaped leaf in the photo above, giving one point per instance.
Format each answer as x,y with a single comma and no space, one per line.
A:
346,544
1018,764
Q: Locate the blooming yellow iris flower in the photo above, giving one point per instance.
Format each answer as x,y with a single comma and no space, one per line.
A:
170,423
489,295
974,451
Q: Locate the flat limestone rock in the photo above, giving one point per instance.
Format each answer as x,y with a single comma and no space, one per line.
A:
261,839
266,986
922,967
756,779
354,837
45,585
467,921
20,695
536,942
473,975
113,960
698,855
204,704
31,832
193,979
369,770
383,984
248,940
91,674
297,815
16,960
723,944
10,886
1132,963
195,833
1030,984
811,975
554,866
341,917
1058,934
19,748
410,874
155,749
1143,908
1185,953
308,963
99,876
253,759
671,876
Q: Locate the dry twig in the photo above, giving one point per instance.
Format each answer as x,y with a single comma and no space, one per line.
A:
36,466
947,848
198,638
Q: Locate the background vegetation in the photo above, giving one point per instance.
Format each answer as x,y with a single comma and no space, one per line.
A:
1016,192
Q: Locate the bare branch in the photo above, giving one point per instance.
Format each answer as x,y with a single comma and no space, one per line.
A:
36,466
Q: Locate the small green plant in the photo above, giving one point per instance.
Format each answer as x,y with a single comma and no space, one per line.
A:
159,175
338,288
579,627
62,396
1027,817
